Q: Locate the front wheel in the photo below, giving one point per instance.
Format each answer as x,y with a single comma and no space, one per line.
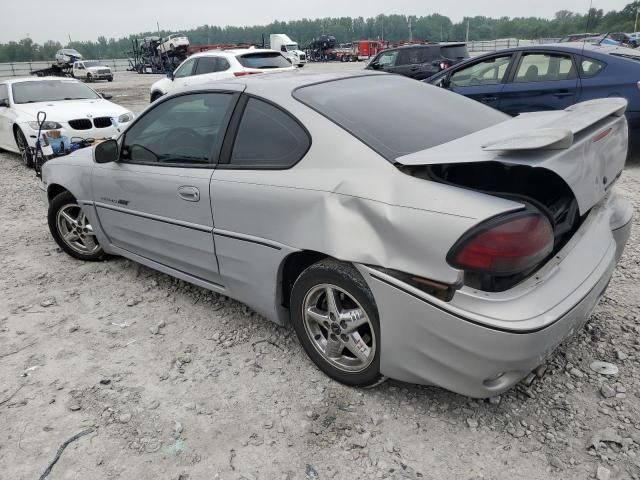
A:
335,317
23,148
89,78
71,229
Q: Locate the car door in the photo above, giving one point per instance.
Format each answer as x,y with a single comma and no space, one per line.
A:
6,118
482,80
266,145
385,61
542,80
155,202
183,75
408,62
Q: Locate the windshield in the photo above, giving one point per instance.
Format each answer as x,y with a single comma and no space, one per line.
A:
263,60
396,116
50,90
292,46
94,63
457,52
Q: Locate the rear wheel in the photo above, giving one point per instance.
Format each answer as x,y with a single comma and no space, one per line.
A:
71,229
89,78
335,317
23,147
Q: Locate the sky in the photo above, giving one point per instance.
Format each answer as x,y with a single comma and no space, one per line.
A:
88,19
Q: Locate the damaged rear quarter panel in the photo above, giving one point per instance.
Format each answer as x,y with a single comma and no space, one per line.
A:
346,201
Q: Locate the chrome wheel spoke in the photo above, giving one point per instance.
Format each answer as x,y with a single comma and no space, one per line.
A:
352,319
332,305
334,347
317,316
356,345
70,220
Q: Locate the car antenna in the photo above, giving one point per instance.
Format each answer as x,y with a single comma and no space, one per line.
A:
584,41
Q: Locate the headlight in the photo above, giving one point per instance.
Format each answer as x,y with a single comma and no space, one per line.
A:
45,126
125,117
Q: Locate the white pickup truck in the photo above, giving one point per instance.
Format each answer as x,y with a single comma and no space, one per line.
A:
92,70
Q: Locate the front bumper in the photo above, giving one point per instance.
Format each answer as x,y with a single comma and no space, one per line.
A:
74,135
480,344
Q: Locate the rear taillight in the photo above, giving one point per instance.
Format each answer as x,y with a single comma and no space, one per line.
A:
504,245
245,72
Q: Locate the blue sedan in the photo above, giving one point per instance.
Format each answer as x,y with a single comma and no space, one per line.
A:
550,77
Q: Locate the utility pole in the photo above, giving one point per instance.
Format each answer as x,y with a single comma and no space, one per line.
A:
410,31
635,25
467,37
158,25
382,20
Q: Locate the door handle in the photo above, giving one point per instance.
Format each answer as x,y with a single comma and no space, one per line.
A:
562,94
488,99
190,194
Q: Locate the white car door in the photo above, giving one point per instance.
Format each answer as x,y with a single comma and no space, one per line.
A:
183,75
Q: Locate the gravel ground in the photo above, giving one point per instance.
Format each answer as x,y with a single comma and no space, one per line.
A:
180,383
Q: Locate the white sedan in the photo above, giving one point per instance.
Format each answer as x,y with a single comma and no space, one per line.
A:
201,68
74,111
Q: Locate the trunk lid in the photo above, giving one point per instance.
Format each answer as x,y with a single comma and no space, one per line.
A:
585,145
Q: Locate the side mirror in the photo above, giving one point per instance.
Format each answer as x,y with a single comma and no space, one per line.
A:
170,75
4,103
106,96
106,152
374,65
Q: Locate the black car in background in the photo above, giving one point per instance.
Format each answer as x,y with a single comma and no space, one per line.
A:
419,61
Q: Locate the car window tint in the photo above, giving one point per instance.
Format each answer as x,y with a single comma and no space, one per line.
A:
590,67
412,56
186,69
388,59
543,67
268,138
394,115
457,52
263,60
223,65
206,65
4,93
487,72
181,130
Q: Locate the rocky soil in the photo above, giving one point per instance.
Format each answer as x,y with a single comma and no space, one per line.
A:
169,381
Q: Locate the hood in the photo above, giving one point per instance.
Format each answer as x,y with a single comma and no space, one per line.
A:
62,111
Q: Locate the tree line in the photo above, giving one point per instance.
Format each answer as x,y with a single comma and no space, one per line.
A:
432,27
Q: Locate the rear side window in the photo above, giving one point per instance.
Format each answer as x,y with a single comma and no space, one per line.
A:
268,138
544,67
263,60
396,116
206,65
412,56
590,67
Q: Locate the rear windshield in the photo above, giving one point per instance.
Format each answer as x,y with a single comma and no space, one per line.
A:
263,60
397,116
457,52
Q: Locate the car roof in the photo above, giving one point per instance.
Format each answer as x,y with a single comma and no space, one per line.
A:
37,79
231,52
569,47
428,45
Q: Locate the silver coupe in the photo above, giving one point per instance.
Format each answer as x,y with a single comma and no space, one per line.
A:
402,230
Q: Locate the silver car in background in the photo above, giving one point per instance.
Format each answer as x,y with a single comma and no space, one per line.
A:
404,231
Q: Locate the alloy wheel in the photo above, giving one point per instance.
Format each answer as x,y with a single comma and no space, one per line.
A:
75,229
339,328
23,148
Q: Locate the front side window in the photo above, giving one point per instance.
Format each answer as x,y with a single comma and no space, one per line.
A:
186,69
184,130
544,67
387,59
268,138
4,94
487,72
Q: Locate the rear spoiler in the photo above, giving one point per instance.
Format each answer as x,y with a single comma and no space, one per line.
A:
559,133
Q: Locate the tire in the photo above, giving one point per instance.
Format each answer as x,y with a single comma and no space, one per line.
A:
74,237
331,346
89,78
155,96
110,79
23,147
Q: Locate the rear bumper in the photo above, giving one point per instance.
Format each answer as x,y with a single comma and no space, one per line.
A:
481,344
